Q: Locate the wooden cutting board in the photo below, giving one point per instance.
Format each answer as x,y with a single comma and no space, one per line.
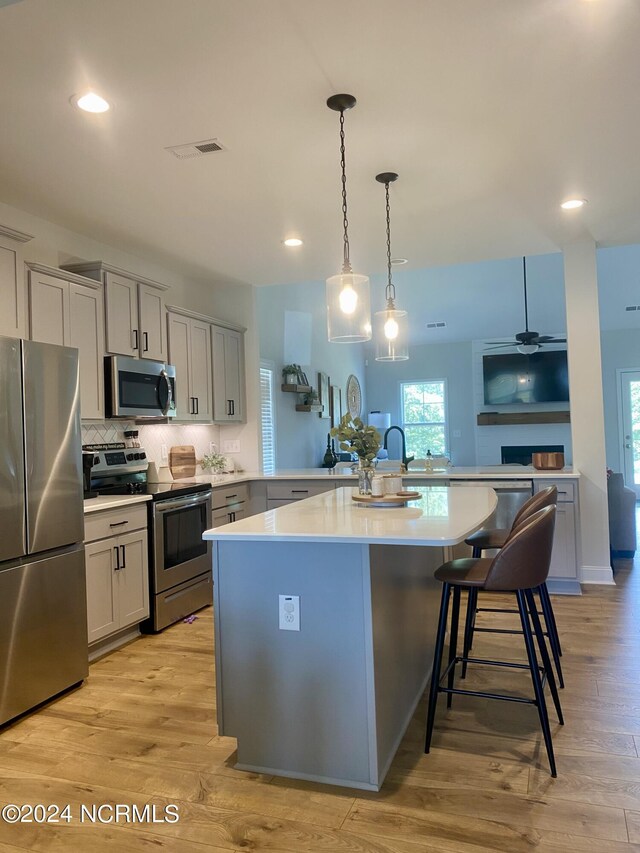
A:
182,461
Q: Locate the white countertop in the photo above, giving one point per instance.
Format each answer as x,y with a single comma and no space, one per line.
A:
112,502
441,516
490,472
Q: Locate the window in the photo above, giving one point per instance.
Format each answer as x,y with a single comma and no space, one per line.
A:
267,420
424,417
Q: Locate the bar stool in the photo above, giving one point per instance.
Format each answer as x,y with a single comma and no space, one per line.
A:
489,538
521,566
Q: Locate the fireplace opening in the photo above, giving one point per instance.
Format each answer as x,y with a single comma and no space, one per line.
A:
521,454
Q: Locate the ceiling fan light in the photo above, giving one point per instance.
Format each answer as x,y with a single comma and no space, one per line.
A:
528,349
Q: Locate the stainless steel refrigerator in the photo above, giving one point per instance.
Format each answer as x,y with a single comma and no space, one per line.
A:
43,610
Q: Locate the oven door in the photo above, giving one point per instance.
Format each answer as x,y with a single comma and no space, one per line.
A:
139,388
180,553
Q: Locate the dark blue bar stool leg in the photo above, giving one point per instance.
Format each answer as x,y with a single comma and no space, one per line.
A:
472,604
453,641
536,680
550,617
547,612
437,663
544,654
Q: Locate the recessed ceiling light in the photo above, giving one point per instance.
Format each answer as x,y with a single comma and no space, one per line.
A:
399,261
90,102
573,203
292,241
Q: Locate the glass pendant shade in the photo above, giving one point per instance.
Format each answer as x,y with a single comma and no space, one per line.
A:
528,349
391,332
348,308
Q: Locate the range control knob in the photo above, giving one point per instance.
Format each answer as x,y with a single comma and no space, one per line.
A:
143,456
136,456
130,457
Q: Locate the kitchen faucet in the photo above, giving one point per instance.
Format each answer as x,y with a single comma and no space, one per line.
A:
405,459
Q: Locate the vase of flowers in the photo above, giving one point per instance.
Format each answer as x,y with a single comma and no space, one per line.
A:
214,462
364,441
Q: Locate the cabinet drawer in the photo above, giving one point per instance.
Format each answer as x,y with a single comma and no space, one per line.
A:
566,489
275,503
296,491
229,495
99,525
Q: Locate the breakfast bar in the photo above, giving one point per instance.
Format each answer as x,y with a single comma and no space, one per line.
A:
325,619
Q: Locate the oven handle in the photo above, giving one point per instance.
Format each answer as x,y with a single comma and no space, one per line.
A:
178,503
167,408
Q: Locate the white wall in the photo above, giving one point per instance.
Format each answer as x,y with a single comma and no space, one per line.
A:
54,245
301,437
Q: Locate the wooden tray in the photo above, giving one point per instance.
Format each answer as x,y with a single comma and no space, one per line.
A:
386,500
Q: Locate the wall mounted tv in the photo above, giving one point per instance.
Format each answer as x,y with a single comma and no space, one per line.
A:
542,377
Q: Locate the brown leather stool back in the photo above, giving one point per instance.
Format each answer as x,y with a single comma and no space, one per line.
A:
546,497
523,562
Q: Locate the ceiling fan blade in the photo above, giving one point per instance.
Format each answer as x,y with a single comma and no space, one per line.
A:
549,339
503,346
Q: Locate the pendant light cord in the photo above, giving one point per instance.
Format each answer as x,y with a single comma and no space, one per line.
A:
390,292
346,263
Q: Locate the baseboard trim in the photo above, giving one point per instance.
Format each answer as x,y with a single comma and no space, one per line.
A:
564,587
597,574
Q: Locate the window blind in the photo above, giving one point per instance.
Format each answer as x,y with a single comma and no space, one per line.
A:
267,423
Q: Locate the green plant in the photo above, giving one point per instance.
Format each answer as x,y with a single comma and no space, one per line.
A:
355,437
216,462
290,368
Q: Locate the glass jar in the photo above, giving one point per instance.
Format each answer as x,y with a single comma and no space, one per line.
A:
365,476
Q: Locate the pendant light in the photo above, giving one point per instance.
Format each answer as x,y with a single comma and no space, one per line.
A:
391,325
348,302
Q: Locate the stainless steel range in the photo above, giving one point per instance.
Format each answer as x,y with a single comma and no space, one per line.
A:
179,513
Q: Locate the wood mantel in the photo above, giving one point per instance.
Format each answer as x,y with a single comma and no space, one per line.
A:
507,418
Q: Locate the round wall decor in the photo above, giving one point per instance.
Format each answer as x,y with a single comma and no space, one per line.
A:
354,396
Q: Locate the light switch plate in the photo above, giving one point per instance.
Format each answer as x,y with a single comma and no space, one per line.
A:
231,445
164,453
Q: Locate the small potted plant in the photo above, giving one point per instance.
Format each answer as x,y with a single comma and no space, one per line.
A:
312,398
290,374
362,440
214,462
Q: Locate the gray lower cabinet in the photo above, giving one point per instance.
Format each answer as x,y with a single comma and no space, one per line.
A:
229,503
283,492
564,567
117,572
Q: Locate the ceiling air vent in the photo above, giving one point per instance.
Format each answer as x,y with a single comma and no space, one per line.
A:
440,324
196,149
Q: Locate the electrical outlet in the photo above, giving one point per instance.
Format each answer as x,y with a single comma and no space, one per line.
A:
164,453
289,612
231,446
213,448
457,433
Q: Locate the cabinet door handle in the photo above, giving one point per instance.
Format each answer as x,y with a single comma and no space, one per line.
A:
233,407
118,523
299,491
145,341
190,405
228,497
117,550
197,411
135,339
124,561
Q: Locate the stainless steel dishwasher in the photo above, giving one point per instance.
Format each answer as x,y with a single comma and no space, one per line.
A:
512,494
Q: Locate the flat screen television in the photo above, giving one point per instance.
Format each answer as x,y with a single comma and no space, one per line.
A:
542,377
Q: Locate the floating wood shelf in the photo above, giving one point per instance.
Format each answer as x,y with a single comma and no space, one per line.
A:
296,389
506,418
304,408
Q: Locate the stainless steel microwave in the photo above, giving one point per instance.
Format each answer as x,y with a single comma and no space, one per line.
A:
139,388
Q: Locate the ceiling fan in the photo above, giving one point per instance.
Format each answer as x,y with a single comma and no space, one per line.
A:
527,342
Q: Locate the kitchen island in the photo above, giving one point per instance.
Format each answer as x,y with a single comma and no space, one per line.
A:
328,696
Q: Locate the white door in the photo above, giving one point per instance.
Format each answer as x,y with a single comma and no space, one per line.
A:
630,400
86,332
179,356
121,299
48,309
133,578
200,369
153,342
12,292
102,599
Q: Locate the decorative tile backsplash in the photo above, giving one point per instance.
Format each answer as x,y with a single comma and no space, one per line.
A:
153,436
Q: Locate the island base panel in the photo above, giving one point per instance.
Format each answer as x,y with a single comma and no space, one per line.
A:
330,702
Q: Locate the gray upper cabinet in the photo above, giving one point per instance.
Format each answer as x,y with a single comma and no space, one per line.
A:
135,311
12,290
67,309
190,353
228,375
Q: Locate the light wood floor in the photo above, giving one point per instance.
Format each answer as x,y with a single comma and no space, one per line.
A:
142,730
